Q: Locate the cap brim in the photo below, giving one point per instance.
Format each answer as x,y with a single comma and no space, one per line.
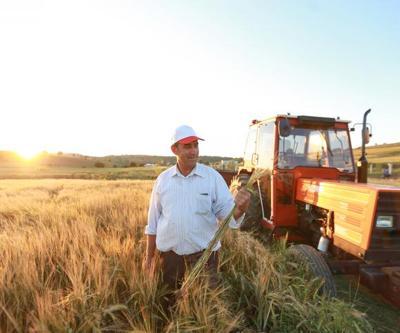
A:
190,139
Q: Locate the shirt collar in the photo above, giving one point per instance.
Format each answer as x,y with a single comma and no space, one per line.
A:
197,170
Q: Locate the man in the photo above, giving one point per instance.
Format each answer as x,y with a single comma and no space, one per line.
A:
186,202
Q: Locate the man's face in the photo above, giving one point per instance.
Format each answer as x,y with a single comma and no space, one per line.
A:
187,154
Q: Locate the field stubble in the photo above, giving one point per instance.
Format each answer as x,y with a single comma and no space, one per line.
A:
71,253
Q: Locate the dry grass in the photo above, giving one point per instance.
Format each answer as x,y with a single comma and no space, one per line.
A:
71,255
27,171
380,181
70,260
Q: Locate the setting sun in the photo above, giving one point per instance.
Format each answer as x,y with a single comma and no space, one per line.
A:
27,154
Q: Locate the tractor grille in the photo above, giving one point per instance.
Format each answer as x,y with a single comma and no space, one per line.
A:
385,243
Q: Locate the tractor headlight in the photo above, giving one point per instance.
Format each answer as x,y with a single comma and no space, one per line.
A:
384,221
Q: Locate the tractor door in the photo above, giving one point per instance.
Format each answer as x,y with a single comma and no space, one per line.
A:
259,154
265,151
289,152
250,155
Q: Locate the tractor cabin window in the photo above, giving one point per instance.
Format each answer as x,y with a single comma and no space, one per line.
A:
292,150
250,149
316,148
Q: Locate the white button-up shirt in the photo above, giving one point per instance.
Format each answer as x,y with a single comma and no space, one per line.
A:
184,211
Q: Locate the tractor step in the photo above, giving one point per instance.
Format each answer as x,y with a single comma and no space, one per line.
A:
373,278
384,280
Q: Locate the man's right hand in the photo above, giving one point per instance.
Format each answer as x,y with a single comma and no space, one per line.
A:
148,265
148,262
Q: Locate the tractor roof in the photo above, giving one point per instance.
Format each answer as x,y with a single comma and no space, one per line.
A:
303,119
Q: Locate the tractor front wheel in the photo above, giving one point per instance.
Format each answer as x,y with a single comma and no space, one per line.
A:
315,262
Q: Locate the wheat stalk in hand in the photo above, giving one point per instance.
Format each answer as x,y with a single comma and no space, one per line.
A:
195,272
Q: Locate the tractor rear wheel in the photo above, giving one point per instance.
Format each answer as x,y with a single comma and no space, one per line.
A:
316,264
251,221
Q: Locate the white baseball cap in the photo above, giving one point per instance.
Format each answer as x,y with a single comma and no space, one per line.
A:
184,134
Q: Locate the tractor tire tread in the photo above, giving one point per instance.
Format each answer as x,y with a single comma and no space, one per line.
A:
318,266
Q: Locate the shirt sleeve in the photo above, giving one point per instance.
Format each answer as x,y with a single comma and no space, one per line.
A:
154,212
224,203
235,224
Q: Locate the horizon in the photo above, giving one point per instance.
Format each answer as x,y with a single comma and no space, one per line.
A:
101,78
29,156
73,154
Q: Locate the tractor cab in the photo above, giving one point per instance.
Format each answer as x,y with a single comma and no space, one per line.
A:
287,142
290,147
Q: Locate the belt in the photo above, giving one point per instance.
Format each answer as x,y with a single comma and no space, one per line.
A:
186,256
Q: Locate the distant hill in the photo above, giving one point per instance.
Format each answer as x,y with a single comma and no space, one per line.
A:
378,155
126,160
60,159
385,153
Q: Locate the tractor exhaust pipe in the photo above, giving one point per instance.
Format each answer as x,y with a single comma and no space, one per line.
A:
362,163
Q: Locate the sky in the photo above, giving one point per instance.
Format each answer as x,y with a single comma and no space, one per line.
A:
116,77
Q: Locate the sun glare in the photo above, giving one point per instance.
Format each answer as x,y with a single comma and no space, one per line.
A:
27,154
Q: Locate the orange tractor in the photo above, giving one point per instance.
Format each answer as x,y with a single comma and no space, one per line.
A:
312,193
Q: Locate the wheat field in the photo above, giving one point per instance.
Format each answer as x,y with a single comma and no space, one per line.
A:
71,254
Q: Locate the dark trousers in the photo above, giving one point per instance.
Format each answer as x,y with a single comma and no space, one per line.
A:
173,267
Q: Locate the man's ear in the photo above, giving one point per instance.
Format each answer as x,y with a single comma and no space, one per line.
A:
174,149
